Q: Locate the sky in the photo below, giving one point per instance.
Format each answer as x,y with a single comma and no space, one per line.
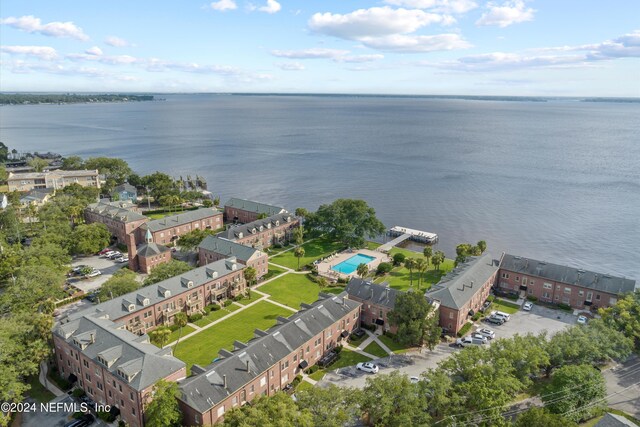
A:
453,47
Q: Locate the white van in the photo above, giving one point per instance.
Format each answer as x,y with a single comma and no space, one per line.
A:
502,314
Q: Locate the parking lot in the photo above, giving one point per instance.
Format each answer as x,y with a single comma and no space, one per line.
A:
55,417
537,320
106,266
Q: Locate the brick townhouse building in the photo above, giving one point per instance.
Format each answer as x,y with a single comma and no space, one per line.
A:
267,363
168,229
112,365
262,233
461,293
215,248
560,284
148,307
145,256
56,179
244,211
121,217
377,301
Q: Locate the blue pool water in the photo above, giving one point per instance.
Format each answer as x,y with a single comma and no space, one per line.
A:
350,265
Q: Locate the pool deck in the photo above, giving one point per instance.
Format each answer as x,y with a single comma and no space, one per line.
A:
324,267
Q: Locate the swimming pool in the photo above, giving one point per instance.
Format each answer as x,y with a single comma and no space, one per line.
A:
350,265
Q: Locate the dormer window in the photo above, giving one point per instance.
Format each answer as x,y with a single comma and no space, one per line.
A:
268,225
240,235
261,228
253,230
277,223
288,219
186,282
131,307
211,273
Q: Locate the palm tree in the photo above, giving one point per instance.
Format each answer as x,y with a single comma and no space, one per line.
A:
298,235
410,263
362,270
299,253
180,320
160,335
428,253
438,258
421,266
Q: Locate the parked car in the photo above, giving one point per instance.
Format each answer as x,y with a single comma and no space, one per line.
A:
487,333
414,380
108,253
92,296
478,336
94,273
367,367
582,320
77,269
495,320
104,251
527,306
288,388
485,306
115,255
505,316
85,420
463,342
122,259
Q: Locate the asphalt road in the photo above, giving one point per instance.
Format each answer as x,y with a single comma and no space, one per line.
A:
623,386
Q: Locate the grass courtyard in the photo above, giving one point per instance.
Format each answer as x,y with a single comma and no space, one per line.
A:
203,347
314,249
215,315
375,349
294,289
399,278
392,345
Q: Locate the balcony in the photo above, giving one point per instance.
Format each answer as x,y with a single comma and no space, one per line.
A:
191,303
136,327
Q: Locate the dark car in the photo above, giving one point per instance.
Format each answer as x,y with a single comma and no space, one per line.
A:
485,306
358,333
495,320
85,420
92,296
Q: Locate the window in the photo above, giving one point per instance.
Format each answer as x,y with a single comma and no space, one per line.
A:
263,381
234,401
547,286
517,278
85,363
87,377
451,315
131,395
100,386
597,297
580,293
567,290
133,411
253,388
613,300
221,411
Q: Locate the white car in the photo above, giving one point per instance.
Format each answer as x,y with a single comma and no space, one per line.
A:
368,367
94,273
582,320
486,332
414,380
478,336
505,316
527,306
108,254
469,340
122,259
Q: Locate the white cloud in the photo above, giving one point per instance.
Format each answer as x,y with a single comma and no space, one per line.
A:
92,55
272,6
94,51
508,13
373,22
626,46
40,52
116,41
291,66
31,24
313,53
417,44
443,6
358,59
223,5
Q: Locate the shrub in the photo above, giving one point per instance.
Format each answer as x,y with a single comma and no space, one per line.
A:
398,258
62,383
173,328
463,331
77,415
491,298
563,306
338,349
277,246
476,316
227,303
311,369
238,298
212,307
343,280
122,248
78,392
296,381
513,297
531,298
195,317
369,327
384,268
106,416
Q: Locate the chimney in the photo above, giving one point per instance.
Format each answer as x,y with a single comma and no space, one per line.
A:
224,381
248,366
132,251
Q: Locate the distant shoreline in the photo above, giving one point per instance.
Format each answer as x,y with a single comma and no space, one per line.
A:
65,99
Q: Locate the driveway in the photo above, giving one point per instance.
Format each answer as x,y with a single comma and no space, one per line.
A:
623,386
105,265
413,364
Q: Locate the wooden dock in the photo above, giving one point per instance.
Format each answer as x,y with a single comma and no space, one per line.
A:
415,235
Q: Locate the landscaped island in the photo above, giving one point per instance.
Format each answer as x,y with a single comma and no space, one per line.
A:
67,98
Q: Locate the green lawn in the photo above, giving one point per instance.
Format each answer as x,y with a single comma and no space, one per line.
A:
392,345
246,301
317,375
348,358
313,250
215,315
203,347
37,390
372,246
375,349
304,385
292,289
399,277
174,335
273,272
501,306
357,342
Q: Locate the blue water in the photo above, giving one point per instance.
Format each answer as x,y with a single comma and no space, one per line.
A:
557,181
350,265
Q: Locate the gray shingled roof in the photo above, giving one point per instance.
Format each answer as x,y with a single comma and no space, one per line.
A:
117,210
205,390
37,194
247,229
227,248
150,249
369,291
613,420
251,206
118,307
124,351
180,219
125,187
565,274
458,286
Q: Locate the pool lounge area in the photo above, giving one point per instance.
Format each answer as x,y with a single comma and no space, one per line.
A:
345,264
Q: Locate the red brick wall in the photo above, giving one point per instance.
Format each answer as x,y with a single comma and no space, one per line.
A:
266,237
164,236
371,312
243,216
551,291
147,264
117,228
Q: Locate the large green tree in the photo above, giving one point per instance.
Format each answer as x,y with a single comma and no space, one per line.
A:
347,220
413,315
541,417
115,171
190,241
576,392
163,411
166,271
38,164
122,282
72,163
393,401
159,185
90,238
278,410
330,406
33,288
437,259
624,316
525,353
160,335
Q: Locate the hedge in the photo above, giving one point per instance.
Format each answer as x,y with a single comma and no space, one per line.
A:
195,317
531,298
212,307
463,331
227,303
